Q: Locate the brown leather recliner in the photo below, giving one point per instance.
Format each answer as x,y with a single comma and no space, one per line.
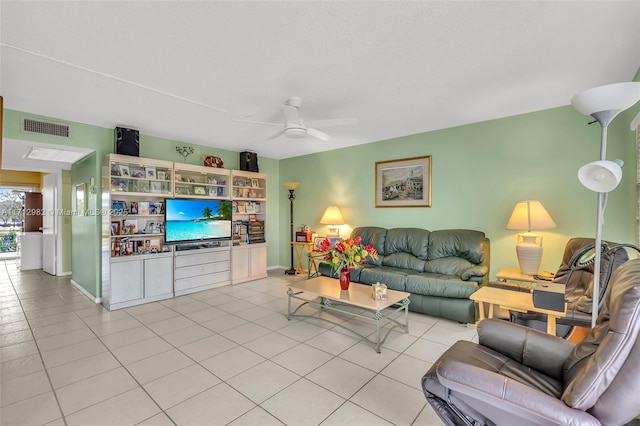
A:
518,375
578,279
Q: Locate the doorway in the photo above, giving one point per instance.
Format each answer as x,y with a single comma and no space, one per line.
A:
12,201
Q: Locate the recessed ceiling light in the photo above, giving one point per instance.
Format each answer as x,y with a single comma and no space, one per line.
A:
53,154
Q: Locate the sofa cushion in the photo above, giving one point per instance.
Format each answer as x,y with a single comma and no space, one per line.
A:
373,235
448,266
439,285
394,278
407,240
403,261
464,243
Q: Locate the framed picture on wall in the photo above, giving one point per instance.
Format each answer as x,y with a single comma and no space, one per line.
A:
403,183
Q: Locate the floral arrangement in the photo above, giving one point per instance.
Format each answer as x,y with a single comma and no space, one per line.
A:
348,253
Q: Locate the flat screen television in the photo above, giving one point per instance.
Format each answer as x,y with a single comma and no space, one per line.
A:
194,220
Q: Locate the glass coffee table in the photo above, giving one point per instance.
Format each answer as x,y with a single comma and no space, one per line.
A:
329,296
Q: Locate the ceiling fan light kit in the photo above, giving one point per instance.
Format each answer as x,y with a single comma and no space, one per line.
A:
296,128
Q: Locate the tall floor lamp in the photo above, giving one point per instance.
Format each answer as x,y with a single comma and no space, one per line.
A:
291,187
603,103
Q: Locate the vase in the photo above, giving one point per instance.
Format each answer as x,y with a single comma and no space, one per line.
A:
345,278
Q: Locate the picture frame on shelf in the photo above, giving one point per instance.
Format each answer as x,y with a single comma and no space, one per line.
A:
119,185
255,183
118,207
124,170
133,207
136,172
213,191
154,245
199,190
163,175
156,207
150,172
403,183
240,182
242,208
143,208
334,240
130,226
115,227
143,186
220,191
115,170
155,186
177,177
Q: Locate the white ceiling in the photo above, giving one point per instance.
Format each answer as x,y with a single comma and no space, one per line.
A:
185,70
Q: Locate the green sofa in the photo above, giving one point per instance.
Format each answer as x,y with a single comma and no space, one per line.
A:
440,269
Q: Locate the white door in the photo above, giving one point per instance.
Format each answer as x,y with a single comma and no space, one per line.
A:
49,230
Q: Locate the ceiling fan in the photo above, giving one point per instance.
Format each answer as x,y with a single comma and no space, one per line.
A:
296,127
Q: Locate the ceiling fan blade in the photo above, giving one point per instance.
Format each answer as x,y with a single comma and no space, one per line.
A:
291,114
332,122
277,135
258,122
318,134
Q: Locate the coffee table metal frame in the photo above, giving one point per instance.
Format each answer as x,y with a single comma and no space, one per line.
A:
334,301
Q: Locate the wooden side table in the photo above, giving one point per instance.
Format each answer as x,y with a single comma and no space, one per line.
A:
312,266
514,274
515,301
302,250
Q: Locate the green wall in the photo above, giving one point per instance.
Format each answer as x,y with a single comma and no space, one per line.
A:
479,172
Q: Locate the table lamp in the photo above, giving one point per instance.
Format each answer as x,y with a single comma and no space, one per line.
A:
332,216
529,215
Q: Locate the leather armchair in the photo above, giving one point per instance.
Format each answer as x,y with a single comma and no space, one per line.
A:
518,375
577,275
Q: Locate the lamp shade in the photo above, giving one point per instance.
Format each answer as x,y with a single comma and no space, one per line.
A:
601,176
291,186
528,215
332,216
612,97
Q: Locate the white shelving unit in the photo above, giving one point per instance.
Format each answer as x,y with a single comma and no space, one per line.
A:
249,252
136,265
136,268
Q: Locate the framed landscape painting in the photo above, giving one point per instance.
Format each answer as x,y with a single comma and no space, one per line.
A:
404,183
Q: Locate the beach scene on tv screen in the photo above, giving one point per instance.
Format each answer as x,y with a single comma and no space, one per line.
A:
197,220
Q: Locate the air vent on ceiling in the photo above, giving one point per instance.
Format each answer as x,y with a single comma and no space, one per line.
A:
46,128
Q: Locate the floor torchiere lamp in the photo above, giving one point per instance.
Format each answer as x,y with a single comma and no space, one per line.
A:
291,187
603,103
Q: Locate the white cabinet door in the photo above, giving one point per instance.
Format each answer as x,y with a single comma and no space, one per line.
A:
258,261
158,276
126,281
239,264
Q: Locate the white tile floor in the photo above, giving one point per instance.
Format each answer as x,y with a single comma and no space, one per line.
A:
218,357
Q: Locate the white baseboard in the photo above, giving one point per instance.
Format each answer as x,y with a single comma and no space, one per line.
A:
63,274
269,268
86,293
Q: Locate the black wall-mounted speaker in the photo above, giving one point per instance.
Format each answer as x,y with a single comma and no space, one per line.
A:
249,161
127,141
